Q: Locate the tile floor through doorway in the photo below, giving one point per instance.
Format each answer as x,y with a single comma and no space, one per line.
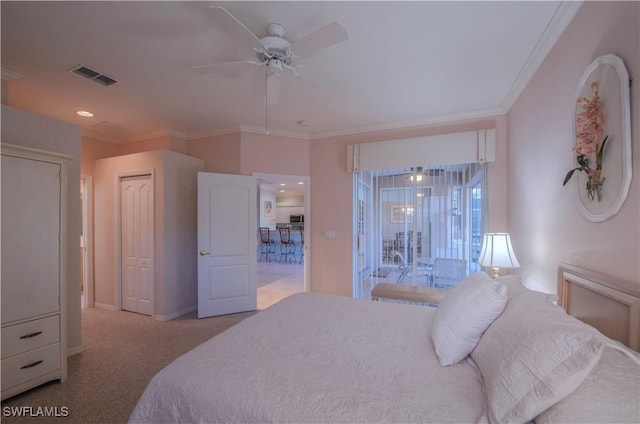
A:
278,280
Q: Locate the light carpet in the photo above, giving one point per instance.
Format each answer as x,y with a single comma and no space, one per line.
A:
122,352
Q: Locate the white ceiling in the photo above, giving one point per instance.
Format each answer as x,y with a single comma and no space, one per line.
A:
404,64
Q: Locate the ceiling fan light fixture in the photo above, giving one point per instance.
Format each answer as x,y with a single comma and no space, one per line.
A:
275,47
275,66
275,30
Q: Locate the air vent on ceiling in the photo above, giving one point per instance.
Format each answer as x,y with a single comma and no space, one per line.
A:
93,75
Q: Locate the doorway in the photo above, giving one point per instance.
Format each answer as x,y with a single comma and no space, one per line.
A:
86,243
284,208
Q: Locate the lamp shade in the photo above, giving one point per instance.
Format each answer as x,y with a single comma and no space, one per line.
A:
497,251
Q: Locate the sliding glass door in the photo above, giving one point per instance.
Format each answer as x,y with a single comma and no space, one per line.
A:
417,226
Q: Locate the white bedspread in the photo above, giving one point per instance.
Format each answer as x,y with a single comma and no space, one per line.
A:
317,358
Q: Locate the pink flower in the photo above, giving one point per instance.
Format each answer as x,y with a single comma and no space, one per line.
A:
590,124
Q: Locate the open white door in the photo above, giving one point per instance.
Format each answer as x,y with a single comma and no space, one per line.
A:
227,242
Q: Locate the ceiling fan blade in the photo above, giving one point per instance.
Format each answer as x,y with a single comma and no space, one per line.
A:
273,88
324,37
231,24
214,67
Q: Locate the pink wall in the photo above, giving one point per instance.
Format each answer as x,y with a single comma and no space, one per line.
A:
220,153
526,195
332,198
105,187
92,149
180,250
248,153
161,142
175,228
546,225
273,154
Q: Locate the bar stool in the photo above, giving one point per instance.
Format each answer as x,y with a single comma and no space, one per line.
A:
301,229
267,246
287,246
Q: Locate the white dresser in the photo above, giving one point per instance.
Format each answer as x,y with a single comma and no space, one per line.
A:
33,270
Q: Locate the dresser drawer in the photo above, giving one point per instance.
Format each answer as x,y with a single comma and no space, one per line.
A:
28,366
30,335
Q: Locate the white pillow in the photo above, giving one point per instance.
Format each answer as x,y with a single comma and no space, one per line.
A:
464,314
533,356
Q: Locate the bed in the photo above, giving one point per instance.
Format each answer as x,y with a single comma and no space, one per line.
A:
320,358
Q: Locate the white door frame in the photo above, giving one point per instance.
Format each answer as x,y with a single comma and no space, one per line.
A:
118,236
307,218
87,232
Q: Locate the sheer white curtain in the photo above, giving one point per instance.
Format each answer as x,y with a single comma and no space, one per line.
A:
418,208
420,225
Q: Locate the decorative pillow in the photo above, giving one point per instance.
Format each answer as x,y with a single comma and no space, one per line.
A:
608,395
514,285
533,356
464,314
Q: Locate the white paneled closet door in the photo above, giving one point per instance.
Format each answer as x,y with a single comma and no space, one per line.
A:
137,247
30,238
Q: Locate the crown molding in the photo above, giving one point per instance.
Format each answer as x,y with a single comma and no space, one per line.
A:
97,135
563,15
9,75
216,133
249,129
414,124
148,136
280,133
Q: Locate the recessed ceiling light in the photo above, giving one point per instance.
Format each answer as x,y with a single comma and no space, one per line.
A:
281,191
300,182
85,113
282,184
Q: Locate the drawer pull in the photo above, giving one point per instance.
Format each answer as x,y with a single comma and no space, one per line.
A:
28,336
33,364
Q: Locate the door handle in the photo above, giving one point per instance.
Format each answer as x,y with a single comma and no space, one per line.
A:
203,253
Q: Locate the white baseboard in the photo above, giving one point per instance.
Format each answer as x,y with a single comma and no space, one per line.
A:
176,314
75,350
104,306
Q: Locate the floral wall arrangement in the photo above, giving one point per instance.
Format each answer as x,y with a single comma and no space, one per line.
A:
590,144
602,149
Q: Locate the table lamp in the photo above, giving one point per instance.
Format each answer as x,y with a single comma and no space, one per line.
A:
497,253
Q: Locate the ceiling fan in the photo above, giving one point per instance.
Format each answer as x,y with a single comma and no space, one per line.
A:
274,52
